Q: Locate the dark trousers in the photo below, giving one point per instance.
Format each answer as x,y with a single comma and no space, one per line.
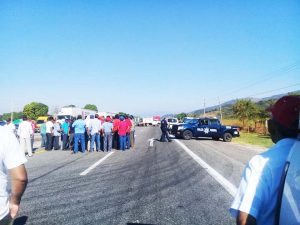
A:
164,135
71,141
56,142
128,141
49,141
116,140
65,141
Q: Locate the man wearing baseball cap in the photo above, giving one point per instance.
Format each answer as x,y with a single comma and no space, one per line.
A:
257,196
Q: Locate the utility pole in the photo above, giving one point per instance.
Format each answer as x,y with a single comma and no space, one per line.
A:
220,108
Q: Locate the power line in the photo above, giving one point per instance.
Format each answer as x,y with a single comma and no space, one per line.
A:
275,89
271,75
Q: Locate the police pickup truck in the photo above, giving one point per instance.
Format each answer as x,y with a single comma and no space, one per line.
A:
205,127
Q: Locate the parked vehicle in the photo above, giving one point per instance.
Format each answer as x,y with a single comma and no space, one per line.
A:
40,120
2,123
171,122
68,113
205,127
149,121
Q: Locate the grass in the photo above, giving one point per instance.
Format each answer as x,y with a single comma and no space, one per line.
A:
254,139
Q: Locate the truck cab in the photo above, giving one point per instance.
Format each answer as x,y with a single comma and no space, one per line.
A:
205,127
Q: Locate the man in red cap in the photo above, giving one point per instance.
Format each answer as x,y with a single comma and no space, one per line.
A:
256,200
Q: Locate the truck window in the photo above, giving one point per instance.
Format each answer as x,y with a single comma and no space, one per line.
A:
204,122
214,122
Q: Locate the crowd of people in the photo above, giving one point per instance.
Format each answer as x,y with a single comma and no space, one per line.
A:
94,133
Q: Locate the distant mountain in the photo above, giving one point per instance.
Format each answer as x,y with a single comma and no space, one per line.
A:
233,101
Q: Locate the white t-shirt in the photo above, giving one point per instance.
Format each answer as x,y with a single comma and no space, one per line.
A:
95,126
258,191
49,126
11,127
11,156
25,129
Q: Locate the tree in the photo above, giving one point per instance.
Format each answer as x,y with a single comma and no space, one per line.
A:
245,110
91,107
16,115
180,116
34,109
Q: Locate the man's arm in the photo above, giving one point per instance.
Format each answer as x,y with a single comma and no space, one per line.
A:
245,219
18,185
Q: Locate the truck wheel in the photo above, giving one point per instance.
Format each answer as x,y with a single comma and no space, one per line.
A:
227,137
187,135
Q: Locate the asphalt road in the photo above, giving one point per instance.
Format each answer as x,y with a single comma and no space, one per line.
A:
153,183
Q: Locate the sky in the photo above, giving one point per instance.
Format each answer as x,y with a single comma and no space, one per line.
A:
146,57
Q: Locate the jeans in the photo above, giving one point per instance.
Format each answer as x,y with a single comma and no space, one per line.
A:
65,141
49,143
82,142
56,142
122,141
97,138
44,140
107,141
128,141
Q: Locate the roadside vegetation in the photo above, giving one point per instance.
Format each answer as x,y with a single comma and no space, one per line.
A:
260,140
250,116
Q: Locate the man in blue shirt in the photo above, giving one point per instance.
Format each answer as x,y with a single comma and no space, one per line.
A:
79,126
65,133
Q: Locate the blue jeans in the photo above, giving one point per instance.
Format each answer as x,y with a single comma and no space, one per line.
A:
97,138
65,141
122,141
128,141
82,142
44,140
107,141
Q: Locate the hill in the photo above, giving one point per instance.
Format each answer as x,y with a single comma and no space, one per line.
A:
227,106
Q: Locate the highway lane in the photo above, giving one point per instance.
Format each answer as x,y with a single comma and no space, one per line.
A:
147,185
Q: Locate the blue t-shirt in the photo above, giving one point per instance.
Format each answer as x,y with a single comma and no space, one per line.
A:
65,127
79,126
43,128
107,127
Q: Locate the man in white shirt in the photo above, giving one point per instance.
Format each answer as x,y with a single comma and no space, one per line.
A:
49,133
94,129
10,126
25,133
12,161
257,198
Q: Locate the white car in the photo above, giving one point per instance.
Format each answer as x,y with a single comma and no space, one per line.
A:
171,122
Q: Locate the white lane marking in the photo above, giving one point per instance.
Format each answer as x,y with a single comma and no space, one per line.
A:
229,187
151,142
95,164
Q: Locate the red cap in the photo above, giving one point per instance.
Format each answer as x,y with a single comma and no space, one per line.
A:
286,112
